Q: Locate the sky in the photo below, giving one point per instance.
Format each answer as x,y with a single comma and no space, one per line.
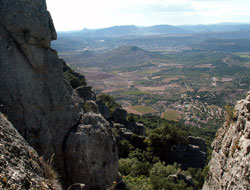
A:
78,14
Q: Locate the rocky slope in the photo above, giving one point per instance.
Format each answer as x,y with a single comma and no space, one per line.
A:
42,105
20,165
230,163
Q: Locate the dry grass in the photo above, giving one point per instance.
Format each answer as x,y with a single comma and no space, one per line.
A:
50,174
235,145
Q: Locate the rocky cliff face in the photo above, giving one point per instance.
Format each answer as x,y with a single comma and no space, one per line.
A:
37,99
230,163
33,92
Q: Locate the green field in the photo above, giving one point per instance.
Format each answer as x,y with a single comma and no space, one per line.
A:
243,55
171,115
143,109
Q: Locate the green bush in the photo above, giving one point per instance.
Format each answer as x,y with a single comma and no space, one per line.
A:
74,79
124,147
138,183
125,165
159,177
133,167
161,140
109,101
231,112
198,175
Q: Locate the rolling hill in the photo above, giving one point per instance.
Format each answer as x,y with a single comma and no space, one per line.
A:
123,56
240,45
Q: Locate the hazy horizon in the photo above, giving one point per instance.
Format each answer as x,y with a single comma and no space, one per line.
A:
77,14
221,23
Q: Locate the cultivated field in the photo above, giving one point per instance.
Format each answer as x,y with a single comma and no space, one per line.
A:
140,110
171,115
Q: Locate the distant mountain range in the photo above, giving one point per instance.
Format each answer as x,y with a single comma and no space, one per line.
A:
131,30
123,56
157,37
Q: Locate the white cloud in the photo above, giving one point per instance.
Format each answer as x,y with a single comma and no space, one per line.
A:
78,14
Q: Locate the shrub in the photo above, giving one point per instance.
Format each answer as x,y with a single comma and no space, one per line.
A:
159,177
109,101
133,167
49,173
231,112
75,79
90,107
161,140
198,175
125,165
138,183
235,145
124,147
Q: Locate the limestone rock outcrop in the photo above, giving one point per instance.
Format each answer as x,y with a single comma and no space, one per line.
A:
93,144
230,163
120,115
192,154
86,93
103,109
34,94
20,165
180,176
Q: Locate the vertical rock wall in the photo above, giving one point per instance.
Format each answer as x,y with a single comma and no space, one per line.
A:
33,91
230,163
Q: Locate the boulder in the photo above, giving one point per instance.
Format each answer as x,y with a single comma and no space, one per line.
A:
103,109
120,115
28,21
90,106
192,154
126,130
180,176
91,153
136,128
86,93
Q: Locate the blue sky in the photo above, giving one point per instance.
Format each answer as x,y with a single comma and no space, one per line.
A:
79,14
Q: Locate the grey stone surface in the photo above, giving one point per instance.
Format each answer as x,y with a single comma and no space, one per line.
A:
230,163
90,106
180,176
28,21
120,115
103,109
33,92
136,128
192,154
20,166
34,95
86,93
91,153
